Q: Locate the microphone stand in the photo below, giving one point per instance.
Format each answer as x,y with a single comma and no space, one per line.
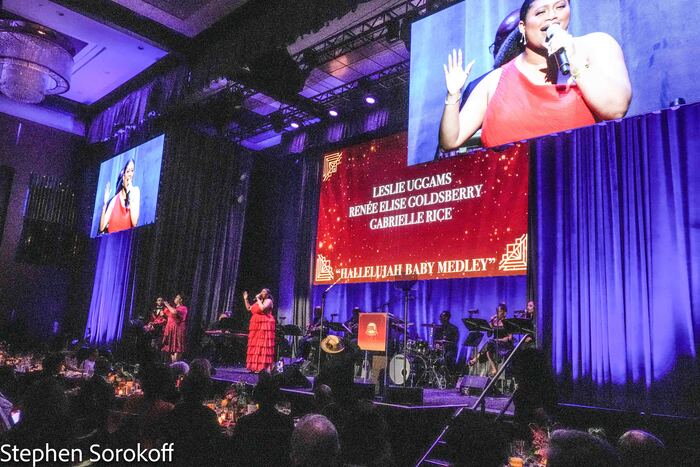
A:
320,335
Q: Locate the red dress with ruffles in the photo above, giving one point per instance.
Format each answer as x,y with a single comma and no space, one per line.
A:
261,339
175,332
520,109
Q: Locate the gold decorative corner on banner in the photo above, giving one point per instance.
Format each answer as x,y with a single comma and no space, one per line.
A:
324,271
330,164
515,257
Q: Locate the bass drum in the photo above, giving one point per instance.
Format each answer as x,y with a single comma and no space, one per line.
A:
415,367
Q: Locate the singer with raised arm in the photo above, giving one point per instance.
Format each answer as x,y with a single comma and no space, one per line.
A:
556,83
121,211
261,332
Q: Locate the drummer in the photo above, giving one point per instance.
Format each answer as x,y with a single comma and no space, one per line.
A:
445,337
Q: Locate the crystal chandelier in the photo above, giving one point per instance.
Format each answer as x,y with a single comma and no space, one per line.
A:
34,61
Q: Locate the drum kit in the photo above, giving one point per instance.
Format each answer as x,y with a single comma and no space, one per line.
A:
424,364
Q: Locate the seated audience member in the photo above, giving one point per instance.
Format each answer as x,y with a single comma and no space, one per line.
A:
96,398
476,441
5,413
569,448
150,408
361,427
314,443
262,438
191,425
641,449
87,366
202,367
8,386
535,399
323,396
44,419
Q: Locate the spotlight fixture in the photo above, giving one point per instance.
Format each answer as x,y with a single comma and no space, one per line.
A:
277,122
333,113
294,125
371,100
393,30
34,61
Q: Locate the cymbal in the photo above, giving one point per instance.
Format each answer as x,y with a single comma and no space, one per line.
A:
431,325
443,341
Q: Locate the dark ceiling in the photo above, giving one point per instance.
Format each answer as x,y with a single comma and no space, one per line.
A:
329,47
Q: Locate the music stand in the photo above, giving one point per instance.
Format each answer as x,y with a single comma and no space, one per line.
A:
477,324
292,330
473,339
518,326
338,327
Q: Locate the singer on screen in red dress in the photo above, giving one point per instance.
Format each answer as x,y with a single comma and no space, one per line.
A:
261,333
121,211
175,332
532,95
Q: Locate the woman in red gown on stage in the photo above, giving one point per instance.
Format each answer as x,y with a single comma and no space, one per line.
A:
175,332
261,333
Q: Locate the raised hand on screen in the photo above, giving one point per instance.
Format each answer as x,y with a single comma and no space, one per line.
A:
455,75
245,295
108,192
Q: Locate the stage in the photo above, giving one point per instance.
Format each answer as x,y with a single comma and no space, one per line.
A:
412,428
432,398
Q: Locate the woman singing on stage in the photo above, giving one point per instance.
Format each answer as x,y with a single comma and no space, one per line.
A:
261,333
534,94
175,332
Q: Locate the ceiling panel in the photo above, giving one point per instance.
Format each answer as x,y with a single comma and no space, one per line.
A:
109,58
188,17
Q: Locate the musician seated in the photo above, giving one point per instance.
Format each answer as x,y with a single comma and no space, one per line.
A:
530,313
445,337
224,323
156,320
353,324
311,338
478,363
498,348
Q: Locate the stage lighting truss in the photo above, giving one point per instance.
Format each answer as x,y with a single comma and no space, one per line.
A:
345,96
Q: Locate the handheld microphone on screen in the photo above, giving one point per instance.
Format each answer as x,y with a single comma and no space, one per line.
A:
559,55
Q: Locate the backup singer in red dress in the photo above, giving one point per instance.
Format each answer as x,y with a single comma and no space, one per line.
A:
261,333
175,332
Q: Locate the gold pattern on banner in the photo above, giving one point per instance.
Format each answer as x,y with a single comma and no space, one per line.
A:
330,164
515,257
324,271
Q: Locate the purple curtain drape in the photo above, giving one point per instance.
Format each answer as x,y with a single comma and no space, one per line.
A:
135,107
617,236
110,296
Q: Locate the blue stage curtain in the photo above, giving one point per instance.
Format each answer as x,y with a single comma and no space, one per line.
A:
110,290
617,236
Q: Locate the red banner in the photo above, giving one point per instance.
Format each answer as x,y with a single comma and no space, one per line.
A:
380,220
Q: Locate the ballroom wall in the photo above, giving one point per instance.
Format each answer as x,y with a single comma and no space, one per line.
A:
32,293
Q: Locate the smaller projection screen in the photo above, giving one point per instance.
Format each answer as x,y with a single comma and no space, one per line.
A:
127,189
